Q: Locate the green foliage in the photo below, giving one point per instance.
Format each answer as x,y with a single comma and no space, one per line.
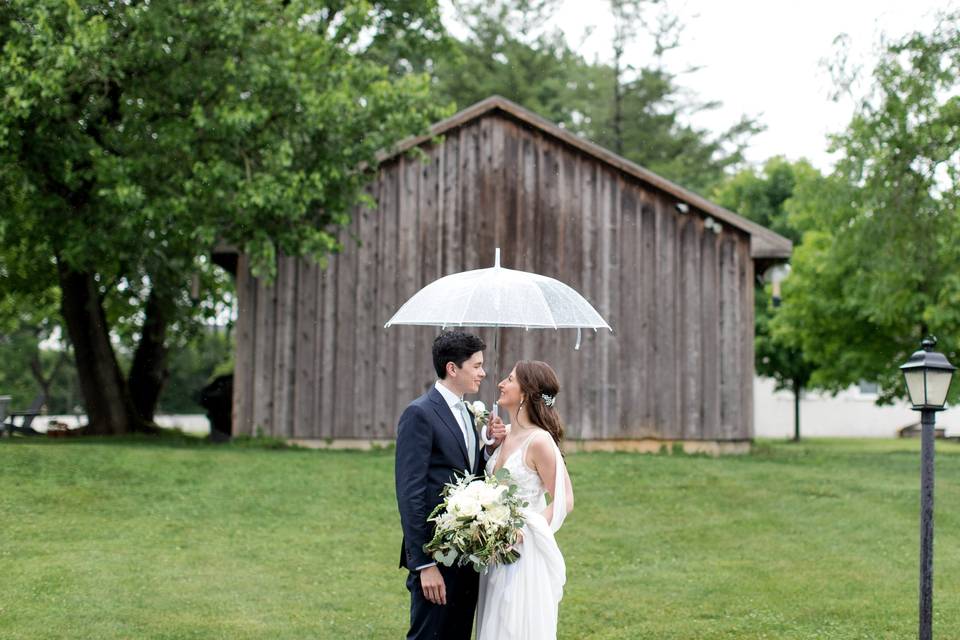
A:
765,197
145,133
762,195
877,267
135,138
508,51
656,133
171,536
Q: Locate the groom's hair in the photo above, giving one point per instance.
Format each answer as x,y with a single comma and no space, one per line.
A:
455,347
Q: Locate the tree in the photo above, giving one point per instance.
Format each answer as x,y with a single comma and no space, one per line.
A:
764,198
137,137
508,50
877,270
638,111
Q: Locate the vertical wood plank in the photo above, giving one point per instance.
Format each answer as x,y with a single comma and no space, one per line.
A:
429,225
286,286
306,350
710,321
747,320
691,341
264,358
407,270
607,201
590,426
344,348
450,203
382,390
393,291
647,329
631,310
730,330
243,374
327,360
664,342
364,324
569,362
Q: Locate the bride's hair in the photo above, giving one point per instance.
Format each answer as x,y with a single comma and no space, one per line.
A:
538,382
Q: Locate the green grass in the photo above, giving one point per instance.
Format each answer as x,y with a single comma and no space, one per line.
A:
173,539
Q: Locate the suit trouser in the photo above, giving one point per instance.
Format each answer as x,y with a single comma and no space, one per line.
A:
452,621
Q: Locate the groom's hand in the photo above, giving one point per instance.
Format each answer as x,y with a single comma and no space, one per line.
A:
433,586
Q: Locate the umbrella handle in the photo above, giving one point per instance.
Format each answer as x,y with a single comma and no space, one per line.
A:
483,429
483,436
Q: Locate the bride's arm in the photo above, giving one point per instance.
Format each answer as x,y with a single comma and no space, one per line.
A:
543,459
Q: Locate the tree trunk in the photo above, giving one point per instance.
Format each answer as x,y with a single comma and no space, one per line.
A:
108,405
149,370
617,99
797,392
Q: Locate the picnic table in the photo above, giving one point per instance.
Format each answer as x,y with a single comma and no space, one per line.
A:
9,419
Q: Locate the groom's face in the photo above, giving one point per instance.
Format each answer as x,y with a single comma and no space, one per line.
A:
468,377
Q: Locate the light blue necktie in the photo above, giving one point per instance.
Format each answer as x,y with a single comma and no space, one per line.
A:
470,436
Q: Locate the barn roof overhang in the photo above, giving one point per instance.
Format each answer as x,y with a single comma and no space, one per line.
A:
766,246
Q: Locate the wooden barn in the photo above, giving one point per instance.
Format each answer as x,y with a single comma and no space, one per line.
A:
672,272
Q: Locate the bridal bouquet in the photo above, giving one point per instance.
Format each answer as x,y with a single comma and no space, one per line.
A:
477,522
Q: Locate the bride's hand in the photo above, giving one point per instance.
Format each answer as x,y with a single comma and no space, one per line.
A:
496,430
519,537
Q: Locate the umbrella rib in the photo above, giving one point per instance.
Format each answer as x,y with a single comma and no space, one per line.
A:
546,305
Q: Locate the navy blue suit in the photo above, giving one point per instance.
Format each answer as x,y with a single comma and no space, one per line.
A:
430,449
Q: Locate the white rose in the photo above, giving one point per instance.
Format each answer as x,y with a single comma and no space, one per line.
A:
479,407
464,504
490,495
475,489
498,515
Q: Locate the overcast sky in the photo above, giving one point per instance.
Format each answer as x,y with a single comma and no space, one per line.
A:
764,58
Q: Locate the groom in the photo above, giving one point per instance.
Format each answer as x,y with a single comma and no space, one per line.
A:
436,437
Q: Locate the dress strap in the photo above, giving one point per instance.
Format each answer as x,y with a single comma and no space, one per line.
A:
526,443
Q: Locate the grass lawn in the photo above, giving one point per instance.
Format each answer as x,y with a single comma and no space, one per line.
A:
171,539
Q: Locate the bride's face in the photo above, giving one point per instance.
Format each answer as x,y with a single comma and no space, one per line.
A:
510,395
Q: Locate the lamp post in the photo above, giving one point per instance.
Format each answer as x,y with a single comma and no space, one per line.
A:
927,374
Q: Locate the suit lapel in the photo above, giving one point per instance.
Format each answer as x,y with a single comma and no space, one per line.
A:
446,416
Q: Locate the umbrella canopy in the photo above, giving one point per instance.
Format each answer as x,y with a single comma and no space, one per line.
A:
499,297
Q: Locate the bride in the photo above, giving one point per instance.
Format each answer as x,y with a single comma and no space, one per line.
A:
519,601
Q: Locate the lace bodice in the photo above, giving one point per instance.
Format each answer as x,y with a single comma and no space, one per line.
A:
530,487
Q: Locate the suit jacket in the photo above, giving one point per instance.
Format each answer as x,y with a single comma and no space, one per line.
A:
430,449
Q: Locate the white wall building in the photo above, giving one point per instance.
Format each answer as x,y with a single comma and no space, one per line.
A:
850,414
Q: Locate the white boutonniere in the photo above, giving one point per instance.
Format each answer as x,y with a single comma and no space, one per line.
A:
480,414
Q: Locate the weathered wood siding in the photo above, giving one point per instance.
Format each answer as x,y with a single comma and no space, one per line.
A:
314,361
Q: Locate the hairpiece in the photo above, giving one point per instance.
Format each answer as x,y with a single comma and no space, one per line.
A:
548,399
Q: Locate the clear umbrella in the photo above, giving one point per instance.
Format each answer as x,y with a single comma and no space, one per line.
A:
499,297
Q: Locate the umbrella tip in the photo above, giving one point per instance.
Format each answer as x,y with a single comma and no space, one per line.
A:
496,258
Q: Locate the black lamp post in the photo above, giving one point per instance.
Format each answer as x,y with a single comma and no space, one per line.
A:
927,374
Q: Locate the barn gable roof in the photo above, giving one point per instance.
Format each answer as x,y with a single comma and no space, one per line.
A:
765,244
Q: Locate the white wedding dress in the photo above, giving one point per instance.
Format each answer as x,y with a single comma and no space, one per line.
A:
519,601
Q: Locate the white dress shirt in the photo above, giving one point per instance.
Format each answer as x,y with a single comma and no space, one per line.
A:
452,401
